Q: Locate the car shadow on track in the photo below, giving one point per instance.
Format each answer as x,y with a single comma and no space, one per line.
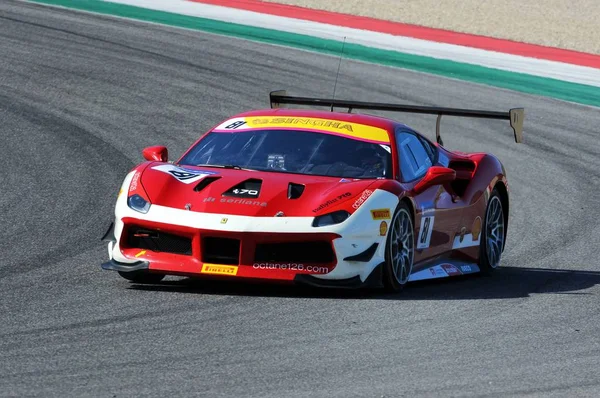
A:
507,282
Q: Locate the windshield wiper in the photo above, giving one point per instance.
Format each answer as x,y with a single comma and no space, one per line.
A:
223,166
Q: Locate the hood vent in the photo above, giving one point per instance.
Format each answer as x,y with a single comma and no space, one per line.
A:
248,189
206,181
295,190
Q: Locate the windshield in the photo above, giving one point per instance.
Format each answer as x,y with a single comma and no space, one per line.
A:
293,151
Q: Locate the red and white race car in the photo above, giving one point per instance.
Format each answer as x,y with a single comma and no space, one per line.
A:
316,197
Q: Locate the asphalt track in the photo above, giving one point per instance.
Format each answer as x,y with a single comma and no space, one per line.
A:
81,95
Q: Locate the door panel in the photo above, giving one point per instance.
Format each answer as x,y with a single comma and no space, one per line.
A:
437,216
436,222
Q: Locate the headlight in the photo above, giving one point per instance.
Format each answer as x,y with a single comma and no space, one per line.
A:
137,203
331,219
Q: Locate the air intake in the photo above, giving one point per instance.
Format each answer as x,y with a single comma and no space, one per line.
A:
295,190
206,181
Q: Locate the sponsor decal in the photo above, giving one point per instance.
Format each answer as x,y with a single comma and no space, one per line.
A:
427,207
188,206
244,202
425,231
134,181
224,220
473,237
186,176
217,269
332,201
466,268
352,130
461,236
247,202
476,228
451,269
383,228
381,214
437,271
120,192
464,240
140,254
363,197
233,124
303,122
313,269
428,273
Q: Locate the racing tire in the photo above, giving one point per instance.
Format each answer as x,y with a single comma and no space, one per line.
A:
491,245
399,250
142,276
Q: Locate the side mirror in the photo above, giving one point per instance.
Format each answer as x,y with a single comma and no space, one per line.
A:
157,153
436,175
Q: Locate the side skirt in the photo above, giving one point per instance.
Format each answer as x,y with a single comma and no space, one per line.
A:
443,269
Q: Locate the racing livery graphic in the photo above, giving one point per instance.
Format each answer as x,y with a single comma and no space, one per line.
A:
316,197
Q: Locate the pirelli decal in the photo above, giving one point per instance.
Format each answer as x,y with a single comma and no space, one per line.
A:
381,214
218,269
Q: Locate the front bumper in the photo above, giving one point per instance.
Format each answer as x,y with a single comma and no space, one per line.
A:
179,250
357,247
316,258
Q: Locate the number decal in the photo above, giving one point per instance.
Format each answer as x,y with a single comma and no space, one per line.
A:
235,125
251,192
182,175
425,232
186,176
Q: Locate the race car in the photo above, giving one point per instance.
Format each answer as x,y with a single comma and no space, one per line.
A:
324,198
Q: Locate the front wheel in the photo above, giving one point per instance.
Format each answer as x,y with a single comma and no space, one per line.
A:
492,239
142,276
400,250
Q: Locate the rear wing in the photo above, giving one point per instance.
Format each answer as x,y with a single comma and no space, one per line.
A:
515,116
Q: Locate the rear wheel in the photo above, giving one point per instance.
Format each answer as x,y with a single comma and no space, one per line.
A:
400,250
142,276
492,239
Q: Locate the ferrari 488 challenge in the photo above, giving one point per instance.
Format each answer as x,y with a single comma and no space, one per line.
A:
317,197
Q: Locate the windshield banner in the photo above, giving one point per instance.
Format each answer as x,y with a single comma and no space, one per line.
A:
352,130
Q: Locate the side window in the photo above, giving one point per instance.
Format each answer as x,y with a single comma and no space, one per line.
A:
415,158
430,149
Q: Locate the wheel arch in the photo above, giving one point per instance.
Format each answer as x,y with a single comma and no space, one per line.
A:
388,275
411,207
